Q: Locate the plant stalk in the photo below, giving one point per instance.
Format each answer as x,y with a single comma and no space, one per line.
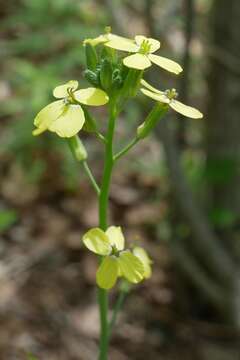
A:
103,215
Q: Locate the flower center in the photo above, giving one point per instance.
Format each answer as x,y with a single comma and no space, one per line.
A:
70,99
145,47
171,94
115,251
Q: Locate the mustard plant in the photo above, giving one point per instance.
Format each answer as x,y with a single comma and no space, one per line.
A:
114,79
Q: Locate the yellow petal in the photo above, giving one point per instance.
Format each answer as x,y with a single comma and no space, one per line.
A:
158,97
91,96
150,87
116,237
61,91
137,61
155,44
123,44
143,256
166,63
47,116
131,267
185,110
107,273
97,241
69,122
96,41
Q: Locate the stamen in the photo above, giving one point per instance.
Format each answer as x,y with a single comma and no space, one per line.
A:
171,94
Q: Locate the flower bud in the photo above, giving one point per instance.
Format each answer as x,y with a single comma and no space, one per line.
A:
152,119
106,74
131,83
91,57
117,78
89,125
77,148
92,77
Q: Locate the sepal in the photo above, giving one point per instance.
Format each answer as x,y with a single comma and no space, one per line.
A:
152,119
77,148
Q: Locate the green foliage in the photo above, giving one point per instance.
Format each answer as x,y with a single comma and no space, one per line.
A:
40,52
7,219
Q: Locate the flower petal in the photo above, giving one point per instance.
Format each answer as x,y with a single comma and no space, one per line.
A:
69,123
61,91
158,97
107,273
137,61
150,87
143,256
155,44
131,267
96,41
116,237
185,110
91,96
47,116
166,63
120,43
97,241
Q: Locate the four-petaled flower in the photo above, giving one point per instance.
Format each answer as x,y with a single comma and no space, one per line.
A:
117,262
143,49
66,117
169,97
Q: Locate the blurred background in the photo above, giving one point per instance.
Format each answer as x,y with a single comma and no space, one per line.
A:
177,193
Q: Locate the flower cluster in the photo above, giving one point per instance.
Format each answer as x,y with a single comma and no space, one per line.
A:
134,265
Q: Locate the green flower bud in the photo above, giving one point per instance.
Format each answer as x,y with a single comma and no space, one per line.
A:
131,83
117,78
91,57
77,148
152,119
106,74
89,125
92,77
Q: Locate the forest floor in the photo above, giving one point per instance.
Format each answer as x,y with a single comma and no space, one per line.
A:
48,298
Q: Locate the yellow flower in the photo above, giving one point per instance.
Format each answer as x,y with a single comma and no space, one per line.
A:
117,261
143,58
66,117
169,97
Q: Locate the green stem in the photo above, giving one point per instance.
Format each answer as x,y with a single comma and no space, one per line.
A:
91,177
103,212
117,308
126,149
